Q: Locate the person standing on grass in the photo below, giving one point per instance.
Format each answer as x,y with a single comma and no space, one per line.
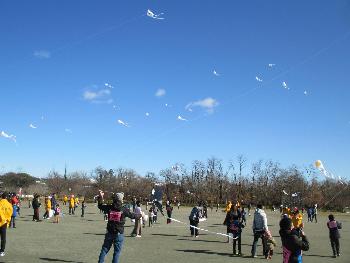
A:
71,205
14,215
65,200
194,220
6,211
83,206
292,244
137,228
314,217
259,228
334,234
115,227
57,214
169,211
36,205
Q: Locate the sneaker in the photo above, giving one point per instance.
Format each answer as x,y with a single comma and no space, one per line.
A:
2,254
138,235
254,256
338,255
197,236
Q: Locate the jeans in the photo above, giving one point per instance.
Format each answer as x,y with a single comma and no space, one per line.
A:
3,237
257,235
237,242
13,221
117,240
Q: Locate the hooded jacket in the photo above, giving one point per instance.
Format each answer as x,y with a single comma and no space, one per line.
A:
6,211
116,216
260,220
292,246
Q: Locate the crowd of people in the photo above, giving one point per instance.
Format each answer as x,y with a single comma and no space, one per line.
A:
115,212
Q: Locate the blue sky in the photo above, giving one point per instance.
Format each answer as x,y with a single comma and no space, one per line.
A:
56,57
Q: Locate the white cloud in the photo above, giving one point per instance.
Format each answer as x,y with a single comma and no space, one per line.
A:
208,104
7,136
160,93
42,54
98,96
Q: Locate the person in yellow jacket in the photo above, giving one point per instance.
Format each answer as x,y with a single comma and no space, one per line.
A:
47,207
228,206
76,200
65,200
71,205
297,220
6,211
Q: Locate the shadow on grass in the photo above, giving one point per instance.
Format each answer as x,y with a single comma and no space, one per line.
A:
203,251
320,256
59,260
95,234
164,235
201,240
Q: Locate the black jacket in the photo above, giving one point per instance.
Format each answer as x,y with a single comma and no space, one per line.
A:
35,203
116,217
294,244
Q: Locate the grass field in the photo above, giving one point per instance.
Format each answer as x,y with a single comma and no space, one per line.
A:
78,239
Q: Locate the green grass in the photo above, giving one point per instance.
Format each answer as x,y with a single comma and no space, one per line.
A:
78,239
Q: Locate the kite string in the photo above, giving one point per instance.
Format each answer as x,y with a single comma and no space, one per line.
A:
336,195
202,229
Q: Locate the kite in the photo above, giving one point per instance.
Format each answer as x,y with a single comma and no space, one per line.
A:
284,85
68,130
123,123
305,93
181,118
319,165
154,16
5,135
285,192
215,73
109,86
295,195
258,79
147,114
271,65
32,126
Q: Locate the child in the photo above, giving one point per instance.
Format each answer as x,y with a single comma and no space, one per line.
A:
83,208
13,217
57,214
270,244
334,234
297,220
150,217
155,212
235,227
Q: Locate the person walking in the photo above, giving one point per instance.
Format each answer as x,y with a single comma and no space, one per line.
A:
259,228
115,227
314,217
169,211
334,234
83,206
292,244
6,211
137,228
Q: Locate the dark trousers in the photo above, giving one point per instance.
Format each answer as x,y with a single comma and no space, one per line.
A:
194,231
36,214
71,210
168,221
335,245
257,235
3,237
237,242
13,221
82,212
315,217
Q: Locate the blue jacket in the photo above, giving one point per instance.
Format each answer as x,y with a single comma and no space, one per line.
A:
14,213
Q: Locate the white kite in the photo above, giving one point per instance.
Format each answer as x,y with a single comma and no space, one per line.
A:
154,16
271,65
284,191
32,126
284,85
305,93
181,118
215,73
7,136
109,86
295,195
319,165
123,123
258,79
147,114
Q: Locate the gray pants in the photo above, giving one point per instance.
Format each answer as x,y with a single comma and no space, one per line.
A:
257,235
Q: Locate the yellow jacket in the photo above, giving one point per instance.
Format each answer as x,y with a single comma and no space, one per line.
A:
71,202
228,207
65,198
6,211
48,204
77,200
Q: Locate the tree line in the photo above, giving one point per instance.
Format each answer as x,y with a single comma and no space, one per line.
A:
261,182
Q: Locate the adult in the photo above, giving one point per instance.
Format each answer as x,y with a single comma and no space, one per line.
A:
234,211
169,211
53,201
314,216
115,227
138,213
233,222
36,205
259,228
292,244
194,220
47,207
6,211
309,214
